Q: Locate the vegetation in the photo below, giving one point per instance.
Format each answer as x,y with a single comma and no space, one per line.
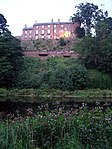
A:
88,15
89,95
3,24
88,76
96,52
10,56
50,74
70,129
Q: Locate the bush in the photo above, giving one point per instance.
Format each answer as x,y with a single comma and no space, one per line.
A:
99,80
3,92
62,42
69,78
57,73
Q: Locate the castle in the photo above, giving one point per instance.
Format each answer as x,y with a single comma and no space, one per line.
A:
52,30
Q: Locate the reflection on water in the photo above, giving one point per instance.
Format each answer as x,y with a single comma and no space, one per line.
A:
35,104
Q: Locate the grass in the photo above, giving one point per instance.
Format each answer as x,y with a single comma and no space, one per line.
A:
85,95
58,129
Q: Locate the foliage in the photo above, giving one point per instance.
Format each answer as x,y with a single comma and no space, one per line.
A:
3,24
51,74
99,80
104,28
62,42
10,59
58,129
96,53
87,15
80,32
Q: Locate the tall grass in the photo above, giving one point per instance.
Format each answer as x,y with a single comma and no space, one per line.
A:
58,129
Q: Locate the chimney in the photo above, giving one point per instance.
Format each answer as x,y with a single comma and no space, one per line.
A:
25,26
58,20
51,20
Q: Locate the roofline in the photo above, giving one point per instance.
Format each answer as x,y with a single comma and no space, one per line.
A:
54,23
51,23
28,28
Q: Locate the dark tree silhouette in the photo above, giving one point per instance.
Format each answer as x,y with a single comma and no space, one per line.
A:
3,24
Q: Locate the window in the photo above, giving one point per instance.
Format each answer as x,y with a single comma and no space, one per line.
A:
55,37
37,37
48,26
61,25
36,31
65,28
42,31
25,32
54,26
42,26
48,31
42,37
55,31
30,31
36,26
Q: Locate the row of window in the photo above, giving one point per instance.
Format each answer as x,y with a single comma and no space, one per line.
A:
48,26
41,36
48,31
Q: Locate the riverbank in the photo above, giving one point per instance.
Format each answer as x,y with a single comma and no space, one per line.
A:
56,94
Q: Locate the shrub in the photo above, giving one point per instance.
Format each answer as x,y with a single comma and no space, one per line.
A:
99,80
62,42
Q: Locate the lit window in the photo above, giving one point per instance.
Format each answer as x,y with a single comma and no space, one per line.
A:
55,37
48,26
25,32
36,26
65,29
37,37
30,31
54,26
48,37
48,31
42,26
36,31
42,31
61,25
62,30
55,31
42,36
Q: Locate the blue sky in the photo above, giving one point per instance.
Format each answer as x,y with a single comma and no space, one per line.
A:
21,12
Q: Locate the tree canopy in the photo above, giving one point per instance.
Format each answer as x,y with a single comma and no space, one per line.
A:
10,56
88,15
96,52
3,24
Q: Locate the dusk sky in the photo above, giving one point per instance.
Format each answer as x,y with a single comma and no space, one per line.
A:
21,12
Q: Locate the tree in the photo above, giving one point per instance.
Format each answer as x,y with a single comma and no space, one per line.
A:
87,15
62,41
96,52
80,32
3,24
10,57
104,28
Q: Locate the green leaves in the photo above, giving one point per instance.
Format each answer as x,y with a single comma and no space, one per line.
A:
54,73
3,24
10,59
88,14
